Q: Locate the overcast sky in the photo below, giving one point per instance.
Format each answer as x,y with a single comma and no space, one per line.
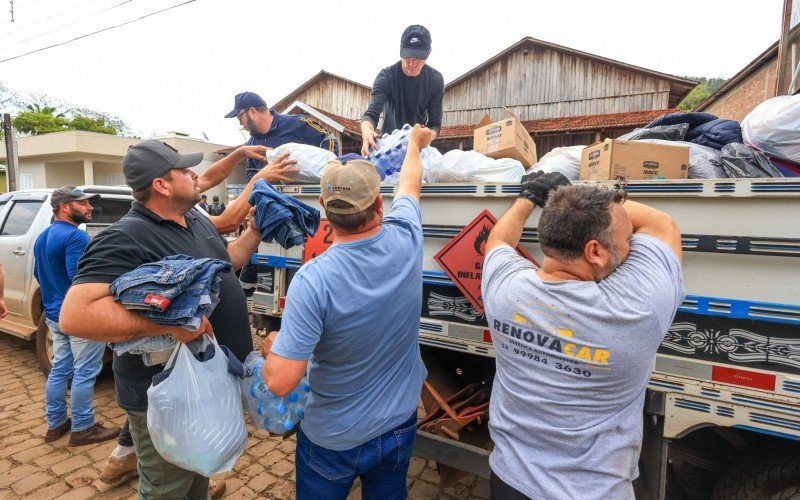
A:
179,69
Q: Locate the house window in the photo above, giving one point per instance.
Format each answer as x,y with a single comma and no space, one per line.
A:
25,180
114,180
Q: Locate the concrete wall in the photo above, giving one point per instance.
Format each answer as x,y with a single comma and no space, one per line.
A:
63,173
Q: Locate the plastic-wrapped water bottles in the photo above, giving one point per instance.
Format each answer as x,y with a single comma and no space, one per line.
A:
276,414
391,150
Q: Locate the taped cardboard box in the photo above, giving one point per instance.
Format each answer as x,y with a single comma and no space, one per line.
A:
633,160
506,138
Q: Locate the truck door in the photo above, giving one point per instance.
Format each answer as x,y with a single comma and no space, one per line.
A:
17,218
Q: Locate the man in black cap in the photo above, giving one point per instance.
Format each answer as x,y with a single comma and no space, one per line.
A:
56,253
162,222
408,91
271,129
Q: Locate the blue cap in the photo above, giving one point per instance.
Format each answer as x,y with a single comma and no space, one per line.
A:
245,100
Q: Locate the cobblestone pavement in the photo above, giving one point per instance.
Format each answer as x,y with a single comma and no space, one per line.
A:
31,468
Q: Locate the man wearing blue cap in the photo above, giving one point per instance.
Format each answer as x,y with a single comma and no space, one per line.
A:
408,91
271,129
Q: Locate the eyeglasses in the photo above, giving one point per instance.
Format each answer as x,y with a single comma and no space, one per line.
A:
239,115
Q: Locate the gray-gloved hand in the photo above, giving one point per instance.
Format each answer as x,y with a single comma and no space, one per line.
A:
537,186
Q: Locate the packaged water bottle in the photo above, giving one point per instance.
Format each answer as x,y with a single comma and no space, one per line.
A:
259,390
278,424
399,155
295,413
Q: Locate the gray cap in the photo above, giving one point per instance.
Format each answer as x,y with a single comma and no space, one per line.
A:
152,159
66,194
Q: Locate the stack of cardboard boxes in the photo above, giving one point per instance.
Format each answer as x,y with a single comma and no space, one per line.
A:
609,159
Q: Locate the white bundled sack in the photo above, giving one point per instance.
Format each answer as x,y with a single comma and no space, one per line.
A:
566,160
311,160
429,157
471,166
774,127
194,416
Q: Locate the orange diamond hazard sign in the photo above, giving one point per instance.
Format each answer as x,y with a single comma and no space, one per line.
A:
462,257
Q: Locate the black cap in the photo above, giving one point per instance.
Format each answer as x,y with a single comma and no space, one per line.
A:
151,159
66,194
245,100
415,42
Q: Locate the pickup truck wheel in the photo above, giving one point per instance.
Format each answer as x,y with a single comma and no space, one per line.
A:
44,346
773,474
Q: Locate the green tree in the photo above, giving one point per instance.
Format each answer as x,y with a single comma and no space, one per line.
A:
80,122
39,120
705,87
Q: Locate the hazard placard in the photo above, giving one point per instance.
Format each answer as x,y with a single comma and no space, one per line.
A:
462,257
319,242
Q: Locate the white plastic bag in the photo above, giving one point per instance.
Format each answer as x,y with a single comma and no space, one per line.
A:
471,166
311,160
774,127
194,416
566,160
429,157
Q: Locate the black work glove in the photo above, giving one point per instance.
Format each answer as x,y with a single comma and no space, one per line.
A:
537,186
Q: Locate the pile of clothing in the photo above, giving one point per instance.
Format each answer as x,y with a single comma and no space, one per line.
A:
175,291
716,146
282,218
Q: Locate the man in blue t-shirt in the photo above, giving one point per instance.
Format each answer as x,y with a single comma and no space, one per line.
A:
352,319
576,339
57,251
271,129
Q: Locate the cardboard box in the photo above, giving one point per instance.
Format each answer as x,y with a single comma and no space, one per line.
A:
506,138
634,160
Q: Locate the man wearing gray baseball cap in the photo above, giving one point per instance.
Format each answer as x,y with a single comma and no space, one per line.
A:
162,222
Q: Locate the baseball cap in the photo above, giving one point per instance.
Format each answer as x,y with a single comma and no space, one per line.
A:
245,100
415,42
66,194
151,159
355,182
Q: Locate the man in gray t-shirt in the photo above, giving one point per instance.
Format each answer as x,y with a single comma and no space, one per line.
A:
576,339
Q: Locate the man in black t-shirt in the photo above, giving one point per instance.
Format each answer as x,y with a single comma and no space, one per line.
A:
162,222
408,91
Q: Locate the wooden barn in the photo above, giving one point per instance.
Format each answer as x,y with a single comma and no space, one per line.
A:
591,97
332,93
563,96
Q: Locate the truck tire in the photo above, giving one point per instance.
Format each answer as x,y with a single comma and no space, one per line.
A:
771,474
44,346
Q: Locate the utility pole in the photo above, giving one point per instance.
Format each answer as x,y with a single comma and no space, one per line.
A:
784,56
11,153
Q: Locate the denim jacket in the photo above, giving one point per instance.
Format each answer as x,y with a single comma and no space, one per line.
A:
282,218
176,290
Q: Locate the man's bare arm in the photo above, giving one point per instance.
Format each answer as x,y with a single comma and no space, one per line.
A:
90,312
280,170
411,173
648,220
282,374
241,249
220,170
508,229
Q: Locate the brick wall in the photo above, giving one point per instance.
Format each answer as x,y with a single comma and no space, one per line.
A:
747,94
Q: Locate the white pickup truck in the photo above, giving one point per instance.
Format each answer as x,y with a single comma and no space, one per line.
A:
722,415
23,216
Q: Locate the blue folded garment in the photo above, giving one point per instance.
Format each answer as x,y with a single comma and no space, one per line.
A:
704,128
282,218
